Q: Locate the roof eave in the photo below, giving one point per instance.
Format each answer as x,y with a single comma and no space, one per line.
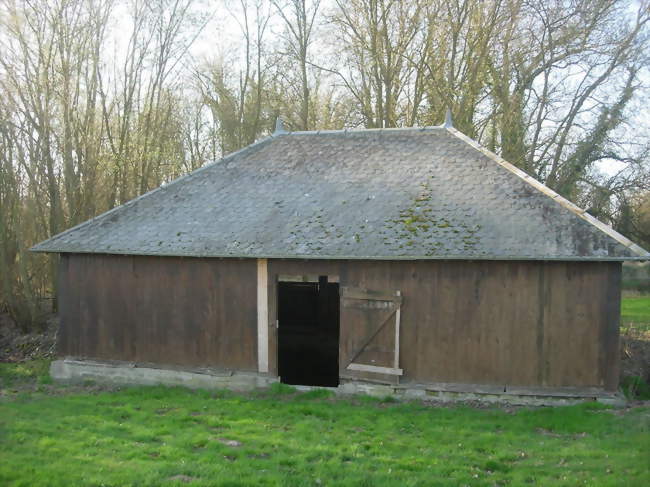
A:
350,257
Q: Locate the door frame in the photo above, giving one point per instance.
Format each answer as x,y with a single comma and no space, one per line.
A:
267,312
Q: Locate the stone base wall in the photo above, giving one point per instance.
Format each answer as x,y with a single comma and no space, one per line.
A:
76,370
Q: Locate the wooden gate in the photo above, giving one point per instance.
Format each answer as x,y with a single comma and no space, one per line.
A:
370,328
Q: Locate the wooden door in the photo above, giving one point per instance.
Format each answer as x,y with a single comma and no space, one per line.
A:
370,327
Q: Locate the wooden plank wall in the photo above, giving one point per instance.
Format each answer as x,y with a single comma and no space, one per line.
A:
484,322
181,311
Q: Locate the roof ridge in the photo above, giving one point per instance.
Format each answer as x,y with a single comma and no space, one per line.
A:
363,129
542,188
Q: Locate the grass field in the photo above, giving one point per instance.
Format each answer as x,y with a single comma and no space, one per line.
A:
635,311
52,435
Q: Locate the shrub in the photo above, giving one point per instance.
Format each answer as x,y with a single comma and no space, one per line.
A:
635,387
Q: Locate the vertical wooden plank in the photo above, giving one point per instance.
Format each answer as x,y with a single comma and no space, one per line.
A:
519,360
397,323
609,340
273,319
66,318
87,308
262,316
540,342
75,324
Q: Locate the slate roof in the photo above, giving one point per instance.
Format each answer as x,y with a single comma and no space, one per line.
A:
361,194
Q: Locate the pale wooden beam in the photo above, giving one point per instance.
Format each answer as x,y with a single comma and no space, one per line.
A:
262,316
307,278
397,323
375,368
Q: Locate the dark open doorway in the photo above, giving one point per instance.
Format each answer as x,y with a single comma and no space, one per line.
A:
308,333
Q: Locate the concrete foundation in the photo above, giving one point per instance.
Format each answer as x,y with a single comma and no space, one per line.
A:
79,371
450,393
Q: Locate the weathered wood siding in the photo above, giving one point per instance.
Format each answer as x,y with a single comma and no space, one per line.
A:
193,312
512,323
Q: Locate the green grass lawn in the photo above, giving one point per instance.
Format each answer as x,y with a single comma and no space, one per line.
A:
636,310
34,371
50,435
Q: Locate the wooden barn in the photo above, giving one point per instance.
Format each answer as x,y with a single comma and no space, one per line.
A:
394,260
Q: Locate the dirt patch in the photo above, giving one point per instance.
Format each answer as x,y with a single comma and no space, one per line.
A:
635,353
259,456
186,479
228,442
545,432
16,346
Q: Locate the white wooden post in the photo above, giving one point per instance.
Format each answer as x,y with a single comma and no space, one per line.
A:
262,316
397,320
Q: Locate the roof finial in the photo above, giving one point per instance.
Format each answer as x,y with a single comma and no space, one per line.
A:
279,126
449,123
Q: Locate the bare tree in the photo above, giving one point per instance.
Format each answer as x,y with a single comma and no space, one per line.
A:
139,100
49,78
75,139
375,38
236,93
299,17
